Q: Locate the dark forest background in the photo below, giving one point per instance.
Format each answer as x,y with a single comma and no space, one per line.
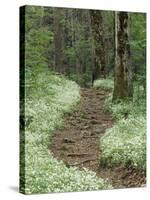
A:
64,40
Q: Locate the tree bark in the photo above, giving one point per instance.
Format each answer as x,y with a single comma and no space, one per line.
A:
58,39
99,45
123,87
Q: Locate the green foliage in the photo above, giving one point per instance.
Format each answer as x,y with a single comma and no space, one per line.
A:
138,31
38,38
82,79
37,44
48,98
106,84
138,42
70,55
125,144
126,108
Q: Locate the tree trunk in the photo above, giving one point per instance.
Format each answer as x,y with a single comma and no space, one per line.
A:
123,87
58,39
99,45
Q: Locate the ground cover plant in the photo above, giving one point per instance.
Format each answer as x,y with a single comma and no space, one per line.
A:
106,84
125,143
48,98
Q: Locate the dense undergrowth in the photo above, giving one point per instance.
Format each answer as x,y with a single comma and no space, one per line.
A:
48,99
125,143
106,84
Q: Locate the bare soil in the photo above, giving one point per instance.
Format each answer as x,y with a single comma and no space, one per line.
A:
78,144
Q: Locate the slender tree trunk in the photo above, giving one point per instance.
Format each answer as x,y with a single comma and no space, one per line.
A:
58,39
123,86
99,45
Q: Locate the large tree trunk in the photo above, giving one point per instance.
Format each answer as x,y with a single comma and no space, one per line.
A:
99,45
123,87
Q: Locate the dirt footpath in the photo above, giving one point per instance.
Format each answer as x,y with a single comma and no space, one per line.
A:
78,144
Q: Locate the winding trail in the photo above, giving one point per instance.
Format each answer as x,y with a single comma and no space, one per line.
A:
78,143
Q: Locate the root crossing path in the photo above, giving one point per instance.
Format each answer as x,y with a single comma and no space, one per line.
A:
78,144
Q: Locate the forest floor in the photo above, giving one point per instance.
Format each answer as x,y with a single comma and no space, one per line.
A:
78,143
